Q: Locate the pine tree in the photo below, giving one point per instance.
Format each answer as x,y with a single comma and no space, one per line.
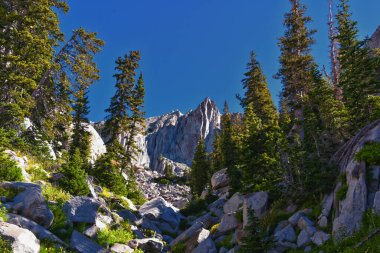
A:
119,119
358,71
216,155
72,72
261,137
229,149
255,238
74,180
296,64
29,32
200,169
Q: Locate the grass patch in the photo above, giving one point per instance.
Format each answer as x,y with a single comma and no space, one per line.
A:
3,213
179,248
120,234
53,193
37,173
5,246
9,193
226,242
214,228
60,227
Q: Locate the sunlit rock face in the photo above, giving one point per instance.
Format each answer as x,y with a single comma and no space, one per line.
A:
374,41
173,136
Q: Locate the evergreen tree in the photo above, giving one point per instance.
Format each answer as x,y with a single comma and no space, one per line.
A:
119,119
200,169
216,155
261,137
358,77
255,238
74,180
229,149
29,32
296,64
65,83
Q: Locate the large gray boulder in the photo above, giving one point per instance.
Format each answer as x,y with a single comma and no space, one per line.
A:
206,246
227,224
204,221
30,203
39,231
320,238
148,245
22,240
83,244
258,202
350,210
234,203
198,237
82,209
286,234
219,179
303,238
121,248
159,209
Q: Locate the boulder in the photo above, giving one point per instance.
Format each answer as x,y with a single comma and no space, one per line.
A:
197,238
303,238
295,218
83,244
219,179
286,234
205,221
159,209
121,248
350,210
228,223
206,246
128,215
234,203
320,238
304,222
82,209
148,245
30,203
39,231
258,202
376,203
22,240
97,146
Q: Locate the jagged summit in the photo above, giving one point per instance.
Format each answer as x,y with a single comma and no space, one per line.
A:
374,41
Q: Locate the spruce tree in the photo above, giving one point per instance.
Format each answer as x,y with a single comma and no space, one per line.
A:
199,175
216,155
74,175
296,64
261,137
229,149
358,67
29,32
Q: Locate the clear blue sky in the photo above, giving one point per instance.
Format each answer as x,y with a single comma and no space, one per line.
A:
192,49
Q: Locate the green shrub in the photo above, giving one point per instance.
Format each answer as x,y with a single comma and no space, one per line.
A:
109,175
342,192
9,193
5,246
370,154
214,228
53,193
8,169
121,234
195,207
3,213
38,173
239,215
50,247
179,248
74,180
226,242
60,226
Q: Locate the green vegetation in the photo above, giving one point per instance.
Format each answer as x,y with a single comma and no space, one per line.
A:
179,248
74,176
200,169
120,234
9,193
5,246
214,228
52,193
8,169
370,154
226,242
3,213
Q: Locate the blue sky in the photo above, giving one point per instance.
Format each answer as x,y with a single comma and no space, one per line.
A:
192,49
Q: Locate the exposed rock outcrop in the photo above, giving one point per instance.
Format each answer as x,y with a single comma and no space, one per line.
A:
350,210
22,240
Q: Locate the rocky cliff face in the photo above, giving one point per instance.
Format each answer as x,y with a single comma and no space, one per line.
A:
374,41
171,139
